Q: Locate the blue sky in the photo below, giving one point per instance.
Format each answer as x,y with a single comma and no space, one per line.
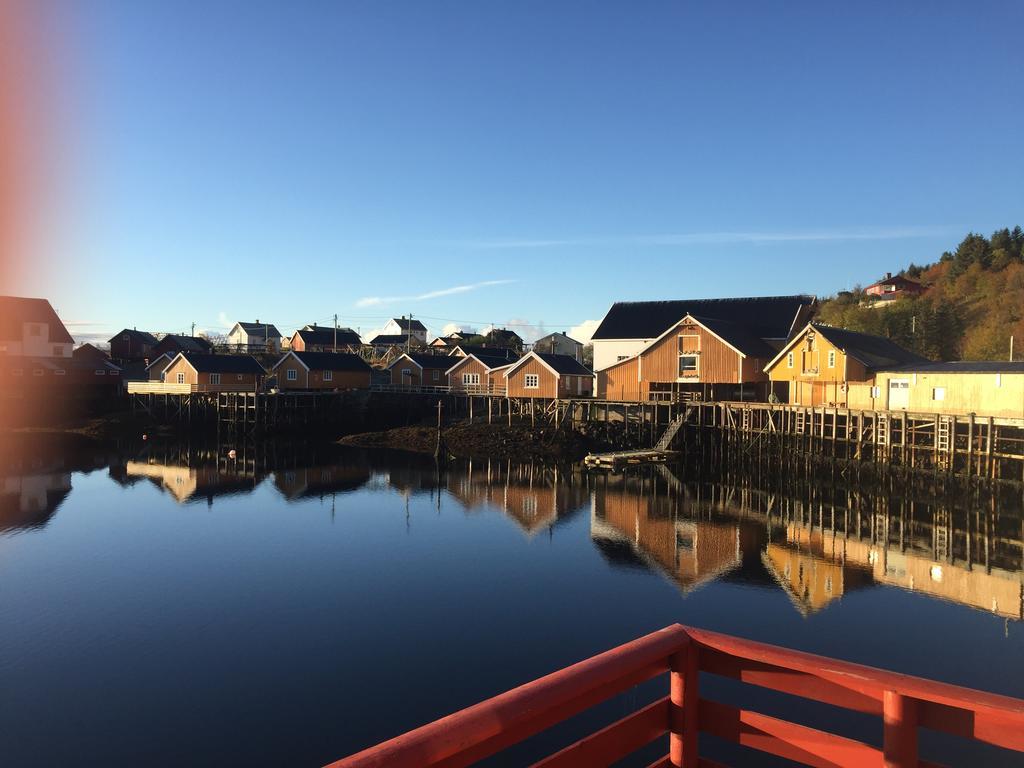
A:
286,161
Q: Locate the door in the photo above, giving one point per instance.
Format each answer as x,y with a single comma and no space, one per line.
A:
899,394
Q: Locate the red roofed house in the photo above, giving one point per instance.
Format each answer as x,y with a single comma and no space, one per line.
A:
892,288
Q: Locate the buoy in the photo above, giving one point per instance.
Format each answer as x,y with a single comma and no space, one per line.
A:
231,453
145,437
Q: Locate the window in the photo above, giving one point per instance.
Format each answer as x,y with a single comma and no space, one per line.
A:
531,381
34,330
437,375
125,337
939,393
37,371
328,375
215,378
181,378
117,373
789,360
239,377
876,391
470,379
831,358
59,372
407,373
99,372
999,379
687,365
58,351
292,375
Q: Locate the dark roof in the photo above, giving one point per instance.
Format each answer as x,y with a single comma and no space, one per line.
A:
873,351
89,352
962,366
94,363
559,333
440,362
325,337
489,361
224,363
15,310
740,337
140,336
408,324
386,338
182,343
507,354
565,364
906,282
333,361
764,316
503,334
261,330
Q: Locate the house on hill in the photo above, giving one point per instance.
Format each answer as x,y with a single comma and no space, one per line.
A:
559,343
131,344
406,326
701,358
821,363
891,288
629,326
503,337
215,373
420,370
315,338
255,337
174,343
539,374
322,370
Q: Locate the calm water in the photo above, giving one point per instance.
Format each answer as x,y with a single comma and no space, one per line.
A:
168,606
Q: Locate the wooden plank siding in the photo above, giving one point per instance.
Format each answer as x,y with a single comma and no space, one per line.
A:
314,379
548,381
469,366
811,381
229,382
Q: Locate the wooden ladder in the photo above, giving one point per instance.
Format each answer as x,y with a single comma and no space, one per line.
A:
670,432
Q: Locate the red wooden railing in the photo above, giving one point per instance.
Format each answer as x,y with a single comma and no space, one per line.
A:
904,704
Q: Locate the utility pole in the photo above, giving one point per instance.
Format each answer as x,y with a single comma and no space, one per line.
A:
335,331
408,336
193,328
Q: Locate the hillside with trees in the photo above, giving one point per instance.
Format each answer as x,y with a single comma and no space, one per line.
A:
972,305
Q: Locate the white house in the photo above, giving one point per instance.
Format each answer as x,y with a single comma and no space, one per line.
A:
255,337
405,326
559,344
31,328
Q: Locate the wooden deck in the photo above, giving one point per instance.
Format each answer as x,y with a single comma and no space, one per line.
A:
616,460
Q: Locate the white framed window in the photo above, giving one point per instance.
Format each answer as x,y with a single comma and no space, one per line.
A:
328,375
292,375
789,360
437,375
239,377
215,378
407,373
831,358
687,366
37,371
470,379
99,372
876,391
118,373
58,351
59,372
938,393
999,379
181,378
531,381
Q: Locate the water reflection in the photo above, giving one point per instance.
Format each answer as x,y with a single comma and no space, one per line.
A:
818,541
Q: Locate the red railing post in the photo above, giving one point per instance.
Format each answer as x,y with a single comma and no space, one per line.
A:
684,669
899,742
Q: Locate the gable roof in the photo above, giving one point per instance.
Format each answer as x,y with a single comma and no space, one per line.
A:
503,334
959,366
873,352
260,330
328,361
408,324
424,361
15,310
207,363
389,338
764,316
490,362
325,337
89,352
140,336
738,337
186,343
560,365
900,280
559,333
504,352
167,359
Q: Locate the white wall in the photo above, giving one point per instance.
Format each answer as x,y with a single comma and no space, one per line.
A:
608,352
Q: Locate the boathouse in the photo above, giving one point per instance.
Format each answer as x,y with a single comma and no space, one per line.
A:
478,374
551,376
314,338
131,344
322,370
698,358
821,364
174,343
420,370
215,373
630,326
984,388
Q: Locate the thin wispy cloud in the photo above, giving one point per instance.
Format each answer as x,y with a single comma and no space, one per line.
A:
376,301
715,238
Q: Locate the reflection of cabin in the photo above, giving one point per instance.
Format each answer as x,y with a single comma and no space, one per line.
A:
29,501
542,375
989,388
821,364
316,482
810,580
701,357
187,484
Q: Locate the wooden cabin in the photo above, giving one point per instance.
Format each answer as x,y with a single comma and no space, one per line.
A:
155,369
552,376
314,338
464,350
173,343
322,370
420,370
984,388
821,364
478,374
131,344
216,373
697,357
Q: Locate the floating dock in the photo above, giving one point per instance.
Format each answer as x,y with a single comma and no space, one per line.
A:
618,459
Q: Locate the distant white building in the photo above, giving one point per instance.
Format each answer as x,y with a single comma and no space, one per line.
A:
255,337
31,328
405,326
559,344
